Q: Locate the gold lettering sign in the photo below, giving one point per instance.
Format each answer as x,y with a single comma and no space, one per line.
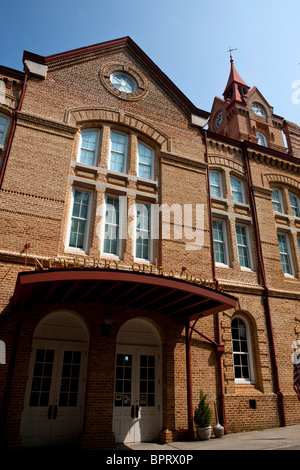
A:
94,263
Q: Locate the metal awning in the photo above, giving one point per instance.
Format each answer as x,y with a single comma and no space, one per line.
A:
179,299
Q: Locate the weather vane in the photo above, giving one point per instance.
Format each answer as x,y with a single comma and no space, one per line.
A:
230,51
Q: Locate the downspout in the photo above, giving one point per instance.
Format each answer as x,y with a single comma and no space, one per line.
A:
220,351
12,131
189,381
265,286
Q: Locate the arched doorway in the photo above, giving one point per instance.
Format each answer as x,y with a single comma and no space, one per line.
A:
54,398
137,394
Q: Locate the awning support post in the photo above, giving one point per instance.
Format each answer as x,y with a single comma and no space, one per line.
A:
189,382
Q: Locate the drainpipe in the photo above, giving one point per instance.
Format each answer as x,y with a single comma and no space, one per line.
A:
265,286
220,351
14,120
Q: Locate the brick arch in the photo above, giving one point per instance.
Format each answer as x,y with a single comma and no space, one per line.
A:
78,116
217,161
282,179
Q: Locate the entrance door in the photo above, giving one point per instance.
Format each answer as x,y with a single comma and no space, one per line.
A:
137,394
53,403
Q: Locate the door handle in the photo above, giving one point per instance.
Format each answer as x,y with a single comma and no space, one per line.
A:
50,412
136,411
55,412
132,411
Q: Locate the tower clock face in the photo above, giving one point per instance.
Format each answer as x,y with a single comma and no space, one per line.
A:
258,110
219,119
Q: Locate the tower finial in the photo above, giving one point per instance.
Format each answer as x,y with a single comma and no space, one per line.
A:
230,51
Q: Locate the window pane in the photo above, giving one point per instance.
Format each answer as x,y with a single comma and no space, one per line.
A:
79,219
295,206
215,184
142,231
111,235
237,189
284,254
243,248
276,200
88,147
240,349
118,149
219,242
145,161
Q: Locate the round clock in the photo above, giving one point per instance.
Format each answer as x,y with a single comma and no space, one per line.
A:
258,110
219,119
123,82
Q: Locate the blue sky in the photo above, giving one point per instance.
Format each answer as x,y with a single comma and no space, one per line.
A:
187,39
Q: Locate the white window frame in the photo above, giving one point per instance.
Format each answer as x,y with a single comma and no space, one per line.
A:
262,139
85,131
7,119
247,233
220,183
113,131
140,142
87,224
295,208
287,253
150,244
122,220
241,192
225,243
280,200
240,380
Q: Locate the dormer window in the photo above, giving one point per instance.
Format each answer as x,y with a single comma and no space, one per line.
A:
261,139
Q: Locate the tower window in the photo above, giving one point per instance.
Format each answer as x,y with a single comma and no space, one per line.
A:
261,139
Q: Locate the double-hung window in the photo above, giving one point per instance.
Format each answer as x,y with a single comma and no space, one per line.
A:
285,254
243,245
237,189
143,242
80,219
145,161
3,127
118,152
295,204
242,352
89,143
277,200
220,242
111,239
215,183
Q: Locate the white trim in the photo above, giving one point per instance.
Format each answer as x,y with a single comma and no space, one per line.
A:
150,244
245,268
220,182
88,222
289,254
242,192
113,131
97,132
226,253
140,142
250,354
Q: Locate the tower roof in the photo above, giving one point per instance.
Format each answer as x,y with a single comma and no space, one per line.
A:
236,87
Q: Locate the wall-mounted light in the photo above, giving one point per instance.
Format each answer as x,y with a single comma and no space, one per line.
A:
107,324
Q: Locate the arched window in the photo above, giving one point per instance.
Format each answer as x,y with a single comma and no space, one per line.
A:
261,139
277,200
242,351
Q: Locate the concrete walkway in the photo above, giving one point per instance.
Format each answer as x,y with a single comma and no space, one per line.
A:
287,438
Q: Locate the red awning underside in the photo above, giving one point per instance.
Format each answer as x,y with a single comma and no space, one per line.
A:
176,298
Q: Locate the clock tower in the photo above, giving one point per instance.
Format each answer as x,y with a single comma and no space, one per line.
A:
244,114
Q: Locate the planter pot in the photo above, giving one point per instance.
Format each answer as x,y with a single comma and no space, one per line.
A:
204,433
218,430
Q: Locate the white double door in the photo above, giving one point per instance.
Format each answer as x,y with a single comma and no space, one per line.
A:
54,397
137,394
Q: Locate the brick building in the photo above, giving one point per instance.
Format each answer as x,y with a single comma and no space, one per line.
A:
149,250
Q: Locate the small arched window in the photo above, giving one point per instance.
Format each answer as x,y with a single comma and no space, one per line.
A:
261,139
242,351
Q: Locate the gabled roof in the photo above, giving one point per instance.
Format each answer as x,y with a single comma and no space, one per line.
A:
121,42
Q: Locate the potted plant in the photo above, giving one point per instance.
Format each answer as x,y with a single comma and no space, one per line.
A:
202,418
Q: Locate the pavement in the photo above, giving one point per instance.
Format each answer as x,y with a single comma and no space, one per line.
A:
283,438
